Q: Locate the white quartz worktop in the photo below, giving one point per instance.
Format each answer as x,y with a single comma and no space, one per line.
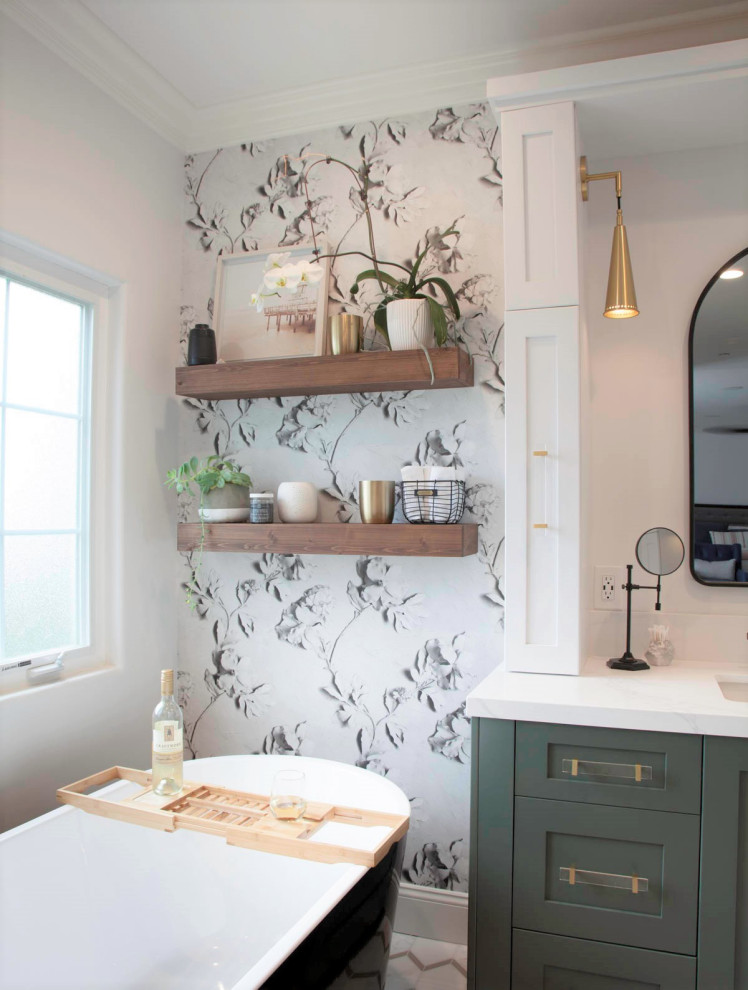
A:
684,697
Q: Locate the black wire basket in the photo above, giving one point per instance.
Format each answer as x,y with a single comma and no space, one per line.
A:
433,501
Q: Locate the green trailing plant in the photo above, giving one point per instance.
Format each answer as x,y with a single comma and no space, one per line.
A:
214,472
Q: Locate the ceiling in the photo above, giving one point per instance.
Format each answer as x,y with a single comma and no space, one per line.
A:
211,72
223,50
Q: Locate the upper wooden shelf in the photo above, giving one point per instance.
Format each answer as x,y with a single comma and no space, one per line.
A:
368,371
393,540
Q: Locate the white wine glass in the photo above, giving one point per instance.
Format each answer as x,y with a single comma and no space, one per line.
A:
288,796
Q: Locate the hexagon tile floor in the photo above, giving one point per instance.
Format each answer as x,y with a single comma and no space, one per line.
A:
424,964
415,964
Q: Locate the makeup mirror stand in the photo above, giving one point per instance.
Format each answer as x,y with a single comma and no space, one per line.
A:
628,661
659,551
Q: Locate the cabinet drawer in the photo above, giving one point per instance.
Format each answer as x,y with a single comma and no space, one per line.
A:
550,962
614,874
654,770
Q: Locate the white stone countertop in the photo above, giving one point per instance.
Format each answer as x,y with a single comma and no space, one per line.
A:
684,697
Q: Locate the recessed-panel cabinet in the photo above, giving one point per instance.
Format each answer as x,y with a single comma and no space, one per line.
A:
543,333
550,962
723,931
607,859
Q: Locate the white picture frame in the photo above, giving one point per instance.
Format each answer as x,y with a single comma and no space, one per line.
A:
289,326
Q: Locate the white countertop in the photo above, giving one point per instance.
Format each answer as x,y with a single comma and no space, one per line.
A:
684,697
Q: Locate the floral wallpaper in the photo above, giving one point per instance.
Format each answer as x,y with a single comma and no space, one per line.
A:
365,660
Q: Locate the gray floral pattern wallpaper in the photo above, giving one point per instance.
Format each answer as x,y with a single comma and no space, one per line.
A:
365,660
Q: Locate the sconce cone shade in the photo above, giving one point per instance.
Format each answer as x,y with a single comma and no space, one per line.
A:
620,302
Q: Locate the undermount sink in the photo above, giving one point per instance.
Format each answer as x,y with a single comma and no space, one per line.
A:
734,690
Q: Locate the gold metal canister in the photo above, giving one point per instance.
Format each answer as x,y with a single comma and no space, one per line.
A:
345,333
376,500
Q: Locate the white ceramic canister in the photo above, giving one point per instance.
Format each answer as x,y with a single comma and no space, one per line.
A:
297,502
409,324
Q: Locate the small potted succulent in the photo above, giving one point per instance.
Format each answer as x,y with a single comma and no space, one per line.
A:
223,487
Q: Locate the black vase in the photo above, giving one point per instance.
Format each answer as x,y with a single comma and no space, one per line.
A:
202,346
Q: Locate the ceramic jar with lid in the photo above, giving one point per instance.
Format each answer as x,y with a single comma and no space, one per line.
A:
261,507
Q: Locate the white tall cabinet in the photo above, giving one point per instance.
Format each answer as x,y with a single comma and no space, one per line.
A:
637,105
543,399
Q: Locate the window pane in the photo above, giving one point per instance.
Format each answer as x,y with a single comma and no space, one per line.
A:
44,339
3,300
40,594
41,471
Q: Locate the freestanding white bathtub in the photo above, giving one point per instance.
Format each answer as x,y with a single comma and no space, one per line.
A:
89,903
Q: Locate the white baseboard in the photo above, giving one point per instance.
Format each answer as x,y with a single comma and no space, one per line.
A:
430,913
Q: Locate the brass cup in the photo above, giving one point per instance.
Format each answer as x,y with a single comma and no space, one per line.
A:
345,333
376,499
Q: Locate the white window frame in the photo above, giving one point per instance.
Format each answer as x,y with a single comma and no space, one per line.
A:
97,293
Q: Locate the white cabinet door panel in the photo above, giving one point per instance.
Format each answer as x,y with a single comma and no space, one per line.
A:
541,192
543,490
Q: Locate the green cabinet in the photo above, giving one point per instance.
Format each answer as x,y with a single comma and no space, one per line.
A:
723,915
635,875
659,771
550,962
605,859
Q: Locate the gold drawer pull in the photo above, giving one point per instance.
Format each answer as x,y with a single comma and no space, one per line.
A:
633,884
540,525
540,453
621,771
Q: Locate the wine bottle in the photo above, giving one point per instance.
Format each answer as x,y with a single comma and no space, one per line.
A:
167,753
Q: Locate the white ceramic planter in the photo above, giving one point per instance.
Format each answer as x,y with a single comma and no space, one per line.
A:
409,324
227,504
297,502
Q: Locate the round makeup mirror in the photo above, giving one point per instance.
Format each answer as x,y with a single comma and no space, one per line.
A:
660,551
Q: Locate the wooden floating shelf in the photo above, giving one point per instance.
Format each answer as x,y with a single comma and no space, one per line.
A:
368,371
394,540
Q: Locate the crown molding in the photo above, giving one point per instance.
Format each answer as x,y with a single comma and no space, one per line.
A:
631,75
78,37
70,30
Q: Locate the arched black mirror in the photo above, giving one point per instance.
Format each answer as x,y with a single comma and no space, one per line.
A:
718,383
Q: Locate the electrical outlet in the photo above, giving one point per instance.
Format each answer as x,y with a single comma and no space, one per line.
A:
608,588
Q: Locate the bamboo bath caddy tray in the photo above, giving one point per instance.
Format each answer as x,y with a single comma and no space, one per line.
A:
243,819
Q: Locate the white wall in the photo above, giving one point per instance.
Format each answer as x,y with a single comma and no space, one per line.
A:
81,177
686,214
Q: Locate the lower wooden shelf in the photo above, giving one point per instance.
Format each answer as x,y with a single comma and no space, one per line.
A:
397,540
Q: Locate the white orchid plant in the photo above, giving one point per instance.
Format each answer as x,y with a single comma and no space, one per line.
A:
392,287
283,277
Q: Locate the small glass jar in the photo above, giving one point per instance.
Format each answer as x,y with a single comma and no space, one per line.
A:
260,507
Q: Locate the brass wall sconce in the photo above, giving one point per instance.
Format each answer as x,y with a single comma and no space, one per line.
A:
620,301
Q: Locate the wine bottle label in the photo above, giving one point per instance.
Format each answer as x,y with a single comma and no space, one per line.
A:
167,738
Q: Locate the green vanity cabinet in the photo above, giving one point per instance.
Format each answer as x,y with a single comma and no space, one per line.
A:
607,859
723,914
